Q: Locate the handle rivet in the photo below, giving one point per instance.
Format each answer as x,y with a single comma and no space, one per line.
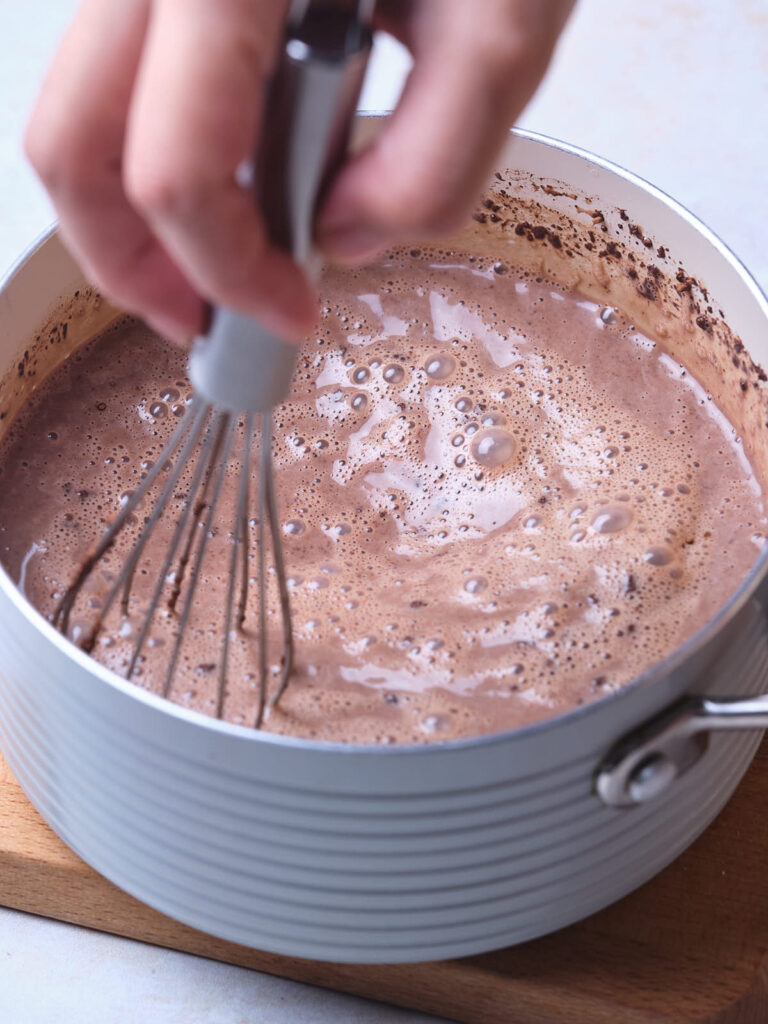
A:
650,778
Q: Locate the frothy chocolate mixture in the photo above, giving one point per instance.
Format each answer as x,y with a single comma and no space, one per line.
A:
499,500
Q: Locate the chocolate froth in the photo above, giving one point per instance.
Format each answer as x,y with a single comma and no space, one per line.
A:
494,491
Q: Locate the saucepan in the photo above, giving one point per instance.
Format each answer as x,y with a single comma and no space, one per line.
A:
393,854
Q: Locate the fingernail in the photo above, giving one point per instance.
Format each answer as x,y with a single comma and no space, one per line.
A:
352,242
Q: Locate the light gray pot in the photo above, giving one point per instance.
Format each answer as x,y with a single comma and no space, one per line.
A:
388,854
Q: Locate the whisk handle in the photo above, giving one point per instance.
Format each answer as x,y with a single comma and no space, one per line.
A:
307,120
238,365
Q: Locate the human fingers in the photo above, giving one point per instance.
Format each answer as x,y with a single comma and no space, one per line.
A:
75,141
475,68
193,119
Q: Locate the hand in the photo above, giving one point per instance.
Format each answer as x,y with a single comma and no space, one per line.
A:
151,105
476,65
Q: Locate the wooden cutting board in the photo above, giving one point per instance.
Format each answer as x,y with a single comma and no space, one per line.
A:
691,945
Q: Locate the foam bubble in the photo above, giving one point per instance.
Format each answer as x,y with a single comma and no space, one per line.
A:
393,373
440,366
658,554
476,584
493,447
611,519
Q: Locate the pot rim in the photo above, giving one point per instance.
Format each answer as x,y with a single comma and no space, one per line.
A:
727,611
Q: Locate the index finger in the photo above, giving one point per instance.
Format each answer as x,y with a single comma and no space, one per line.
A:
194,117
74,141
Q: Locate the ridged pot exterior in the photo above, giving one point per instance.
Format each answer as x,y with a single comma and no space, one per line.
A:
351,854
360,854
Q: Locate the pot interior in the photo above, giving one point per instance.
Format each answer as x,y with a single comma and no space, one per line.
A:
677,282
547,208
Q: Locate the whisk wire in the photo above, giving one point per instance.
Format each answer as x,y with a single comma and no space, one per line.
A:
125,578
242,600
63,610
212,431
225,424
209,458
268,485
265,456
239,538
202,467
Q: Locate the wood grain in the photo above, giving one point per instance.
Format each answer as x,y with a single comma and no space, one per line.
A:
690,946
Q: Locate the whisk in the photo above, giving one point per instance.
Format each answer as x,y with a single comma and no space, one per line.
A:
239,371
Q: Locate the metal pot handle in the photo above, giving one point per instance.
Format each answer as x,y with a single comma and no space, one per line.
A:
647,760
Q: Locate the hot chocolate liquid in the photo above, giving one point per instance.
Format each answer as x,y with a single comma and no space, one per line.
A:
499,500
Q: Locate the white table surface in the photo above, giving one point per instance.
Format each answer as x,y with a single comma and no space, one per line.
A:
678,92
